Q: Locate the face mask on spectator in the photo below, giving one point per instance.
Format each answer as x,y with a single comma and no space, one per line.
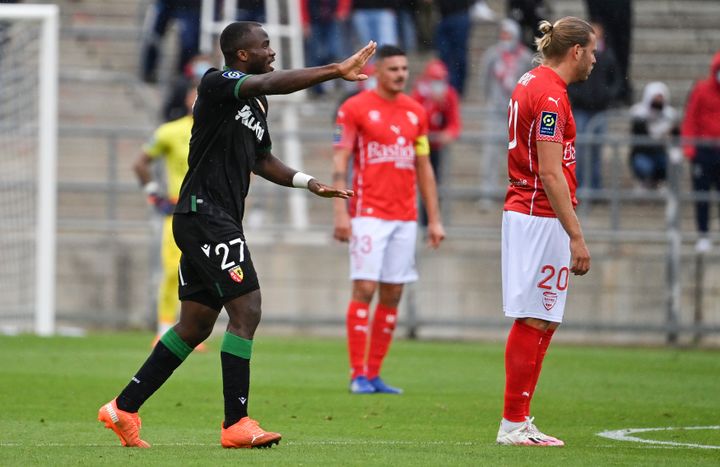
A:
438,88
507,44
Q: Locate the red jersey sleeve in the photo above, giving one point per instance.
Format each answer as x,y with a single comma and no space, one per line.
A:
552,112
345,127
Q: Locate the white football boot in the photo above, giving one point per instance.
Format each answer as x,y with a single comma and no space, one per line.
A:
526,434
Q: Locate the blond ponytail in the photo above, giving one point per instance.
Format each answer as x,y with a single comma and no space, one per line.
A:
557,38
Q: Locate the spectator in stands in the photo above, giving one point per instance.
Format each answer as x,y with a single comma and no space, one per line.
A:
616,16
442,104
702,120
528,14
322,21
501,66
481,12
653,118
251,10
451,38
174,105
590,100
158,17
407,32
375,20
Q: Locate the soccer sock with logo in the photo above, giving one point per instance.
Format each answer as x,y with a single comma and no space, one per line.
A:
380,337
521,353
235,353
357,327
167,355
541,351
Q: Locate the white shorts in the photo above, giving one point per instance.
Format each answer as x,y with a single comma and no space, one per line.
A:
535,266
382,250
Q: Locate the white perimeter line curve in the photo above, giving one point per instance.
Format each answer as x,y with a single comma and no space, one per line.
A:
624,435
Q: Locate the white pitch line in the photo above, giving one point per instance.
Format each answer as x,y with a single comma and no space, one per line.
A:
625,435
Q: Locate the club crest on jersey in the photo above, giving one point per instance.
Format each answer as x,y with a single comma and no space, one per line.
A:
236,274
548,122
233,75
412,117
549,300
246,117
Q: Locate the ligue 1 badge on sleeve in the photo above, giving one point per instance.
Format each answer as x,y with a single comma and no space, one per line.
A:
237,274
231,74
548,122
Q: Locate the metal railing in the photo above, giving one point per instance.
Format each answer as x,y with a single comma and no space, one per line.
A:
618,202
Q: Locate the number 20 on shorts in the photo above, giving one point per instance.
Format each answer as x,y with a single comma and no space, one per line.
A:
550,278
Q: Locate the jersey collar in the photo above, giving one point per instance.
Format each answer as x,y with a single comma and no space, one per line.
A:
553,75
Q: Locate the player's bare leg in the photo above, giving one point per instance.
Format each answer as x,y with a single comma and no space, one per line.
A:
238,429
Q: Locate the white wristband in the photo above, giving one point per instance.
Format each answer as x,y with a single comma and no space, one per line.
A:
301,180
152,187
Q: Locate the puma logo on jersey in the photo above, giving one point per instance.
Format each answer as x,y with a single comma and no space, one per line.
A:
556,101
246,118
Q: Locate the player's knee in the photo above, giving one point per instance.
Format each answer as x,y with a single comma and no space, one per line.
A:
193,333
390,294
245,313
363,291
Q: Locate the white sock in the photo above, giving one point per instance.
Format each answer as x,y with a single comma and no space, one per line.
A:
507,425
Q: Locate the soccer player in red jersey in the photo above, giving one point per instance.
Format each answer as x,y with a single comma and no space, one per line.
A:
387,131
542,242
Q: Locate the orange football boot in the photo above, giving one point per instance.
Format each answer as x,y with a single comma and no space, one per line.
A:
246,433
125,425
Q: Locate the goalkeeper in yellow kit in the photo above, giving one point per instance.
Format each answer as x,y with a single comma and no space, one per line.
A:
171,142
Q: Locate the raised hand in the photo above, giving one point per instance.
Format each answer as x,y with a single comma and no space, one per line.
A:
351,66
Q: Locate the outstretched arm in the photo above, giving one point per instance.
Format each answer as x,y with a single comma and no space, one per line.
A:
273,169
288,81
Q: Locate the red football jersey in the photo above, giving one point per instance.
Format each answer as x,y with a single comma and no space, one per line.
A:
383,135
539,110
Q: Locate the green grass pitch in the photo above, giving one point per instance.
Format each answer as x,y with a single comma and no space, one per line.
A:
50,390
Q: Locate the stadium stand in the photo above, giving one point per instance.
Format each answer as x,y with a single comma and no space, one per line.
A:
106,248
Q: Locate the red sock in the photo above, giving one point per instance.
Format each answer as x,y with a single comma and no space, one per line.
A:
381,335
521,354
541,351
357,327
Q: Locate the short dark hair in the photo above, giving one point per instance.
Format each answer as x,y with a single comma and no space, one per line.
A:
234,37
389,51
